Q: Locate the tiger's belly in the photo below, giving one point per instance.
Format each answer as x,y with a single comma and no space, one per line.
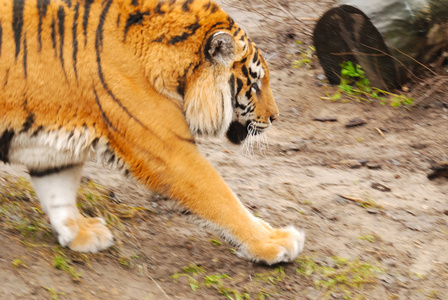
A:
44,152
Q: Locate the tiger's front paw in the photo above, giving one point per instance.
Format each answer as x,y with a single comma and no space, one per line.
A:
86,235
281,245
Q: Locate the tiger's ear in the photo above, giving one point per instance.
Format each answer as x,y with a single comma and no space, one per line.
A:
220,48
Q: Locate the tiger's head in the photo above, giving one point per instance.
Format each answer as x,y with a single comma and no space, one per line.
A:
194,52
230,92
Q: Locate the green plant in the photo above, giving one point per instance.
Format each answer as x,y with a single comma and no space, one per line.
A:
62,263
369,237
305,56
272,277
355,85
342,275
53,293
17,263
216,242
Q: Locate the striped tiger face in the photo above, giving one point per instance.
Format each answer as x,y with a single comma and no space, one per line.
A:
254,105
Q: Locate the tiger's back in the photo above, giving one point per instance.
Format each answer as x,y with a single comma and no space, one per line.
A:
71,50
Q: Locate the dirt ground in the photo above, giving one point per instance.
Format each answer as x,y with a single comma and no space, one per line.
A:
361,194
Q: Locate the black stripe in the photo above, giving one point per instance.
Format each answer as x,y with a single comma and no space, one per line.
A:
134,19
53,36
159,39
118,20
5,142
180,38
214,8
249,109
186,5
25,57
98,48
75,39
158,10
37,131
17,22
85,20
207,6
181,81
253,74
1,36
106,119
237,32
6,78
61,31
255,56
42,11
134,2
28,122
239,84
232,89
69,3
249,94
245,72
50,171
231,23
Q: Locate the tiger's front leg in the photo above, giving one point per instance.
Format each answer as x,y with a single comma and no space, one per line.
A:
56,190
199,187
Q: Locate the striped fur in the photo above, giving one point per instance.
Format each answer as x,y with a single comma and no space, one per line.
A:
133,81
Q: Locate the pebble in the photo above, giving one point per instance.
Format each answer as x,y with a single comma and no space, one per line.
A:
395,162
372,211
413,226
380,187
355,122
363,161
325,119
373,166
321,76
351,163
387,279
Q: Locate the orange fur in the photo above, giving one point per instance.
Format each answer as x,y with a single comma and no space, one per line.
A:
141,82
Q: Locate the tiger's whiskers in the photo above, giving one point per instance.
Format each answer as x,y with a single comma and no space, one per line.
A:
253,141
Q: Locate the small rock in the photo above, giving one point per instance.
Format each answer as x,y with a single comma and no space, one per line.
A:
363,161
395,162
380,187
373,166
326,119
372,211
413,226
351,163
387,279
355,122
321,76
419,146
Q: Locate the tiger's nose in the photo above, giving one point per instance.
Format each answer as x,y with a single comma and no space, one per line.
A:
273,118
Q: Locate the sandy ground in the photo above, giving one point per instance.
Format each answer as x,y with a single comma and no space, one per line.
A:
313,175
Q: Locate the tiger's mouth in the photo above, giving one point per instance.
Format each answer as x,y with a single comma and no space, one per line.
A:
238,132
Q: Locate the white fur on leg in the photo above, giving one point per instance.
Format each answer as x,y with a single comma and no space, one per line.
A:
57,194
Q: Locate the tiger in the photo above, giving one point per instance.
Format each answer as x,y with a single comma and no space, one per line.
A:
134,82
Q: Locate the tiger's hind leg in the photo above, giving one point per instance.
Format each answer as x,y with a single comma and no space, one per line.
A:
56,189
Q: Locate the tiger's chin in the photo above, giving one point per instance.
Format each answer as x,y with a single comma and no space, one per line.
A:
238,132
